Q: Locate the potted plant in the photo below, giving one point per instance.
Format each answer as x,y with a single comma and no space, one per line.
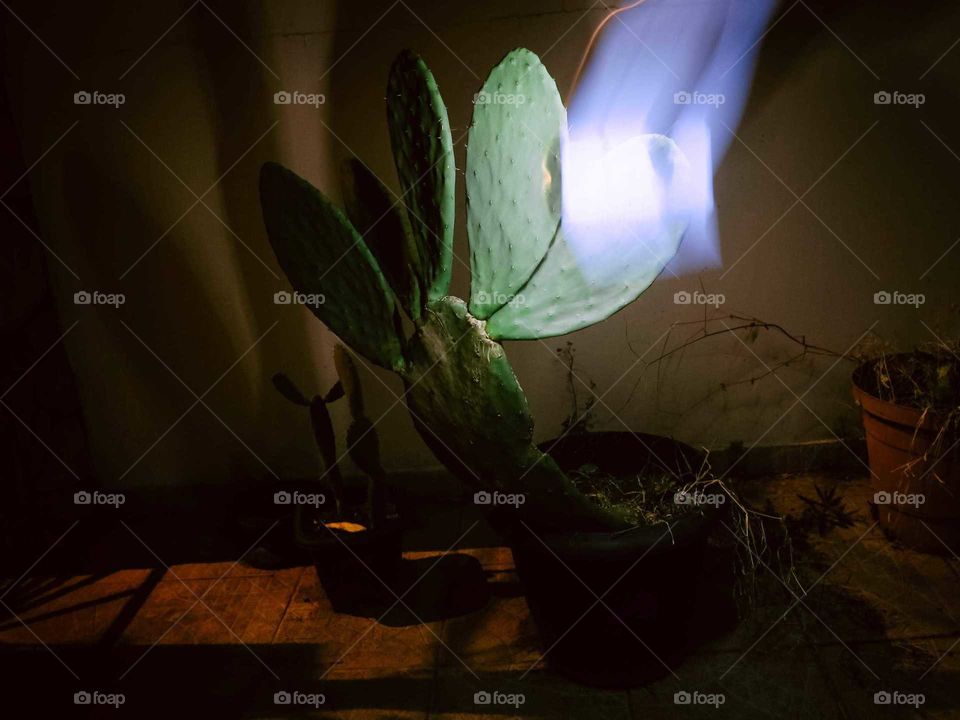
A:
910,405
356,543
385,259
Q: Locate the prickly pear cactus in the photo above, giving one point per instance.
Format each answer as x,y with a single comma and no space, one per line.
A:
461,391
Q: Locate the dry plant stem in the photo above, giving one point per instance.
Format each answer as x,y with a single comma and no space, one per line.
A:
743,324
747,525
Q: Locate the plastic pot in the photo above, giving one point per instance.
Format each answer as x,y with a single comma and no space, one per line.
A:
357,570
663,592
917,500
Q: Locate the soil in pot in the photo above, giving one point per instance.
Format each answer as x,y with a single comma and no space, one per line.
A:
663,589
910,407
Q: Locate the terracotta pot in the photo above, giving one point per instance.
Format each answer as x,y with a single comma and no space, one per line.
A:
916,500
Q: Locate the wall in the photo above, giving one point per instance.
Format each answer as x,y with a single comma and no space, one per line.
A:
199,309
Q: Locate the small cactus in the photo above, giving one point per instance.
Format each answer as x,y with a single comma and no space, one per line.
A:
363,444
461,391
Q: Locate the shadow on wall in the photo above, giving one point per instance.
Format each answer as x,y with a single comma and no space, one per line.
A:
157,200
159,218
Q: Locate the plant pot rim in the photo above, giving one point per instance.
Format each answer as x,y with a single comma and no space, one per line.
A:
334,537
654,539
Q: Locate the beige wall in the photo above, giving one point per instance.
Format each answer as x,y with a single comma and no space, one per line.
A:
202,297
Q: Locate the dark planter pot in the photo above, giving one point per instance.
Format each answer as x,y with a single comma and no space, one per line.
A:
358,570
663,593
897,439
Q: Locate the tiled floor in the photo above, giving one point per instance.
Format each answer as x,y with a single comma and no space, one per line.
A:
220,638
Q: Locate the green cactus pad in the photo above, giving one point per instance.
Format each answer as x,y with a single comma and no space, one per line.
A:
460,379
322,254
423,152
513,178
563,296
380,219
469,408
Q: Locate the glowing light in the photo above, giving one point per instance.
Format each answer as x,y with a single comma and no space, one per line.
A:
622,202
616,184
671,67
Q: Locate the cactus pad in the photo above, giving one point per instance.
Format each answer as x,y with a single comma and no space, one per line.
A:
423,152
569,291
322,254
460,379
512,178
469,408
382,223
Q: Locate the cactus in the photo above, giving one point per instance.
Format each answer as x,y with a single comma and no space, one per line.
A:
363,445
461,391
